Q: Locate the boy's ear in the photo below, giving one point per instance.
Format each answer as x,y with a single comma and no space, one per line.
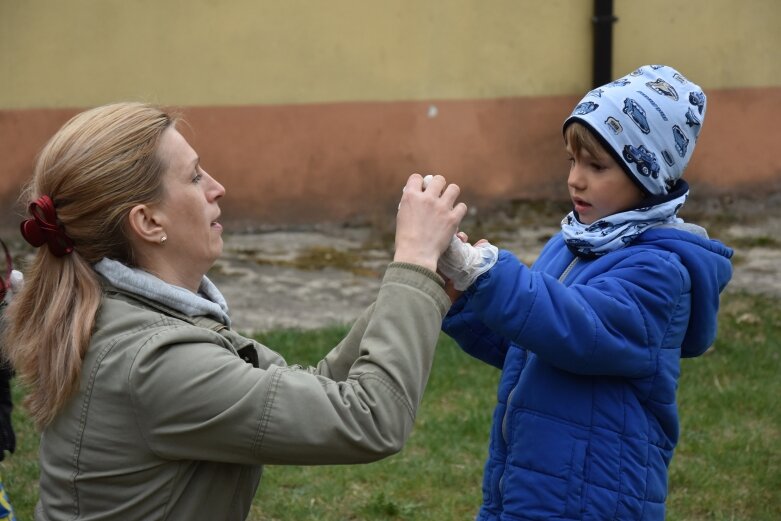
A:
145,223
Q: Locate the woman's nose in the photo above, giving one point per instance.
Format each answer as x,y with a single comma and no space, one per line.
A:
220,190
215,190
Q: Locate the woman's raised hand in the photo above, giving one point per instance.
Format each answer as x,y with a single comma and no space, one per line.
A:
427,219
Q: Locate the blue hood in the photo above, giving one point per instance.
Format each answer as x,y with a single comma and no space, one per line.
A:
709,266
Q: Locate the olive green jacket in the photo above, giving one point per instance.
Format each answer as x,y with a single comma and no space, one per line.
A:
175,416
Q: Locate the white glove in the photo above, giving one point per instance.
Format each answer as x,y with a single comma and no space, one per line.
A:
16,283
462,263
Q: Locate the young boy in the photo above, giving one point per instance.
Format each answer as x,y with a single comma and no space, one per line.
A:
589,339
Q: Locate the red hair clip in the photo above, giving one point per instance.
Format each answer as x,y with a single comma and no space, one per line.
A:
44,228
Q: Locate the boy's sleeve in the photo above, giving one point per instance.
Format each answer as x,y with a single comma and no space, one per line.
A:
614,324
463,325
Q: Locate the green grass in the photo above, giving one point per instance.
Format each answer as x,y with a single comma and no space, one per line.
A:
727,466
728,462
436,476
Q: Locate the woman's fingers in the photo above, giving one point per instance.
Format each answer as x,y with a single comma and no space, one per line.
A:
460,210
427,219
414,182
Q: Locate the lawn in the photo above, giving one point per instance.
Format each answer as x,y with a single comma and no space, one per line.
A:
727,466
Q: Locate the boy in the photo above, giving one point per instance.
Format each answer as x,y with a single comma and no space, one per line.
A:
589,339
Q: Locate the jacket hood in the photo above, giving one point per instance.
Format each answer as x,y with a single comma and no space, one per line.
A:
710,269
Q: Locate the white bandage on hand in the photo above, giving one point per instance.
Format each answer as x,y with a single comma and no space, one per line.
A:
462,263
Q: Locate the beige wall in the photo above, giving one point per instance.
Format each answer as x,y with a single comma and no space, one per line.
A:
312,110
720,44
80,53
204,52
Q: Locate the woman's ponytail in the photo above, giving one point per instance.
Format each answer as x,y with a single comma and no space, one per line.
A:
89,175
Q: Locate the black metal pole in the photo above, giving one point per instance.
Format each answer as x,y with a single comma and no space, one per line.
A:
603,21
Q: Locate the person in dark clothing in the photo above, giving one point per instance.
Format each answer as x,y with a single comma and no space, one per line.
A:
10,282
7,436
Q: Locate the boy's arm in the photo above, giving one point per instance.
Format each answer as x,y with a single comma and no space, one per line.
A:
475,338
614,324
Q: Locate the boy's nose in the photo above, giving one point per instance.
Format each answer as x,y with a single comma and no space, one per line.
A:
576,178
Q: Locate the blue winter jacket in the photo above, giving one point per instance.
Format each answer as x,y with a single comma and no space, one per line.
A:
586,420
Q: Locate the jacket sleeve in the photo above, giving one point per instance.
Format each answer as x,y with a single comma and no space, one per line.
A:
612,324
197,400
463,325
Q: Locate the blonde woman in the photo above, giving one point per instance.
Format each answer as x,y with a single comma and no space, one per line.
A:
150,405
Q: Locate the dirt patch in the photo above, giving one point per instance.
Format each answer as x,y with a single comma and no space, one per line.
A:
308,277
311,276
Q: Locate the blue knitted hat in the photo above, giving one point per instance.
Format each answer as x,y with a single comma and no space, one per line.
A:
649,120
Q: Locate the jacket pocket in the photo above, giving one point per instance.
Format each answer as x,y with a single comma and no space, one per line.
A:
576,481
492,486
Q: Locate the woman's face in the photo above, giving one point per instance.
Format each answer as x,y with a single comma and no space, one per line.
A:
189,209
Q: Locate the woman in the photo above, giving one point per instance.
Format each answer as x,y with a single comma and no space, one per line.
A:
150,406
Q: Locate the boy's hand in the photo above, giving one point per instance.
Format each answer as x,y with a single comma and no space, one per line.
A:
452,292
462,263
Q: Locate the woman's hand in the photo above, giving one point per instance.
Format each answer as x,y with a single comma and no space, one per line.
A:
450,289
427,219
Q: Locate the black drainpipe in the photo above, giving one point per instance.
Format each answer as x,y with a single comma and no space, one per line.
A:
603,41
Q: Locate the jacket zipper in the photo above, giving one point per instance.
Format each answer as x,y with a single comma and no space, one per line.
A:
568,269
563,276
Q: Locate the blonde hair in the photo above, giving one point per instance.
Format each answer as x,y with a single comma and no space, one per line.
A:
579,138
97,167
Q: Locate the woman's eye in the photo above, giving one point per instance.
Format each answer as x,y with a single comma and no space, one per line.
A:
197,176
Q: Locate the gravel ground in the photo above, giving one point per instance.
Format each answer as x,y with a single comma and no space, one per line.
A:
312,276
309,277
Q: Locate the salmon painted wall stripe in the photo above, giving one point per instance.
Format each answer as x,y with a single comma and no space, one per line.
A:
303,163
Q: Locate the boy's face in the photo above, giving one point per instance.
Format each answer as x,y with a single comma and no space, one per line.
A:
598,186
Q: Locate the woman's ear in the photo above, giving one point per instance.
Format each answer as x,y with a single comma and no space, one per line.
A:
145,224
